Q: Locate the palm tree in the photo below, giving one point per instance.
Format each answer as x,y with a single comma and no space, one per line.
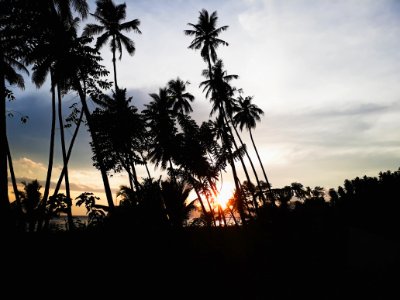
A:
247,116
180,98
233,107
122,131
205,34
10,64
162,129
63,8
56,28
226,155
192,157
175,195
110,16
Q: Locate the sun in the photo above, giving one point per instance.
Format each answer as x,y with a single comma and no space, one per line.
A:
225,194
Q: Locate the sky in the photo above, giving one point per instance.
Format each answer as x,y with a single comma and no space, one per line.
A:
326,74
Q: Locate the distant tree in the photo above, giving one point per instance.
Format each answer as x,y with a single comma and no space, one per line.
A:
370,202
175,195
121,131
30,199
110,16
95,214
160,121
180,98
144,208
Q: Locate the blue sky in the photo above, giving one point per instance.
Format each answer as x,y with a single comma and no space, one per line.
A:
326,74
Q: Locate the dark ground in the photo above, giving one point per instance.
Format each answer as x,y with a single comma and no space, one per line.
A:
233,263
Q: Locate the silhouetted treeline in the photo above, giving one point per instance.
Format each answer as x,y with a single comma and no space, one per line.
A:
43,36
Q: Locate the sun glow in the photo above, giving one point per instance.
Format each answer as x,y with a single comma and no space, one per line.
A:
225,194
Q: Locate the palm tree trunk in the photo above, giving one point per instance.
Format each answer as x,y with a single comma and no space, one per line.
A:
145,164
14,181
203,208
134,176
212,212
172,170
42,207
221,213
235,177
238,188
130,181
114,65
103,171
262,167
75,134
65,161
251,162
233,216
5,207
241,160
134,173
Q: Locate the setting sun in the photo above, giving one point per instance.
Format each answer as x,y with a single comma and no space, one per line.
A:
225,194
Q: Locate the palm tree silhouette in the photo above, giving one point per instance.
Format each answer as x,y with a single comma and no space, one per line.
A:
162,127
175,195
247,116
221,93
180,98
193,157
49,56
61,68
122,131
11,52
205,34
14,183
233,107
226,155
110,16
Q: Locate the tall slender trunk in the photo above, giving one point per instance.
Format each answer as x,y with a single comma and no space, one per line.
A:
221,213
130,180
115,66
172,171
203,208
5,208
234,172
42,207
14,181
127,166
233,216
134,176
241,160
238,188
134,173
262,167
145,164
71,145
103,171
212,212
251,162
209,67
65,161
